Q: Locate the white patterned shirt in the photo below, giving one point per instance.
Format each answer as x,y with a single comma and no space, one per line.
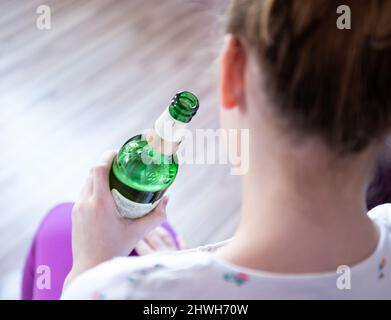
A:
199,274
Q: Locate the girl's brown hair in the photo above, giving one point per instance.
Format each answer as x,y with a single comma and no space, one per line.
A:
330,82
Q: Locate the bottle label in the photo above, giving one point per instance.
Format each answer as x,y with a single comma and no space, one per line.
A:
168,128
130,209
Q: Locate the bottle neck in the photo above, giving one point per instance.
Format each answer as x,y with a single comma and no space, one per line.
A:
168,128
166,135
160,145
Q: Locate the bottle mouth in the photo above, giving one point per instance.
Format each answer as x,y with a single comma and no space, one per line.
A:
188,100
184,106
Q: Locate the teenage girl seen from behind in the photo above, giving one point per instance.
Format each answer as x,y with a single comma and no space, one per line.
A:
317,102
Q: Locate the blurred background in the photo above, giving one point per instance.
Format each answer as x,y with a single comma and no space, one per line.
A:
103,73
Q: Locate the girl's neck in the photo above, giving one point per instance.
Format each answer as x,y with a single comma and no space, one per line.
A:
298,217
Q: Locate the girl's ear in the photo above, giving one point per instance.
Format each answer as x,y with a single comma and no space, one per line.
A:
232,73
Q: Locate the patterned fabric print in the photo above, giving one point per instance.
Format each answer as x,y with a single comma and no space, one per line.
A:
382,265
97,295
238,278
145,271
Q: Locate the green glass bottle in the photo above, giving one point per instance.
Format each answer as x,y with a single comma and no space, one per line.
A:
146,165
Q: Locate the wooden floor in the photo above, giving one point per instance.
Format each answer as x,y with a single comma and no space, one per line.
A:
103,73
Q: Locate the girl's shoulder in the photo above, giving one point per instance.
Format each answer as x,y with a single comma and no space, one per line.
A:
381,215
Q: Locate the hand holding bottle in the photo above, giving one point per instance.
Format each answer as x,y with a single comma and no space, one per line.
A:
98,231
